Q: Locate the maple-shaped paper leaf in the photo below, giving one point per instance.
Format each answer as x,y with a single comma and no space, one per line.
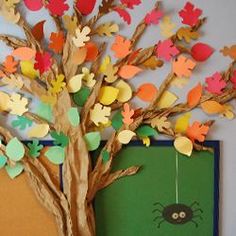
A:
197,132
166,50
215,83
167,27
187,34
43,62
183,66
99,114
123,14
127,114
85,7
81,36
152,63
57,84
10,65
229,51
233,79
57,42
34,148
17,104
131,3
153,17
57,7
121,47
107,29
190,15
161,123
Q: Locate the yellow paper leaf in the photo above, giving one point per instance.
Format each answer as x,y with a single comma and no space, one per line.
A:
4,101
179,82
167,100
17,104
125,136
110,73
99,114
70,23
57,84
182,123
228,112
106,60
212,107
27,69
125,91
108,95
167,27
107,29
81,36
88,77
49,99
184,146
146,141
75,83
153,63
38,131
13,81
10,14
187,34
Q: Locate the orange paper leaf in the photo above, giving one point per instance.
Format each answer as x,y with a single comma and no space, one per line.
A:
129,71
197,131
10,65
57,41
92,51
121,47
127,114
147,92
212,107
79,56
24,53
194,95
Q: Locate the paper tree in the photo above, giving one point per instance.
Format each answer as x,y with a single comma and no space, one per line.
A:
81,92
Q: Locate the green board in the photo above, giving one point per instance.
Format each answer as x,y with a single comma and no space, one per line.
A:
126,208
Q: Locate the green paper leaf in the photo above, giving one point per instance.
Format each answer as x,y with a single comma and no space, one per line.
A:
117,121
59,139
56,155
146,131
22,123
105,156
81,96
15,150
14,171
3,161
73,116
44,111
35,148
92,140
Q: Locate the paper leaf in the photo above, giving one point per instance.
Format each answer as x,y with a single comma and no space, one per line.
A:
92,140
197,132
228,112
215,84
167,27
229,51
186,34
123,14
70,23
3,161
43,62
108,95
146,141
14,171
129,71
21,123
201,52
13,81
57,7
81,96
125,136
182,123
57,84
92,51
15,150
105,62
190,15
147,92
79,56
4,101
121,47
183,66
17,104
183,145
73,116
99,114
81,36
56,155
107,29
85,7
166,50
152,63
125,91
27,69
59,139
131,3
34,5
117,120
145,131
161,123
75,83
57,42
38,30
10,14
153,17
10,65
38,131
212,107
88,77
111,73
194,95
127,114
167,100
34,148
44,111
24,53
105,156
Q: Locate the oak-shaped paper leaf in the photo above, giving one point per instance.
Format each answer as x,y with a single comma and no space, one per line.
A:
166,50
59,139
88,77
13,81
229,51
10,65
99,114
22,123
167,27
123,14
127,114
57,7
194,95
17,104
153,17
34,148
197,131
57,41
183,145
161,123
215,84
107,29
110,71
81,36
15,150
57,84
152,63
121,47
43,61
187,34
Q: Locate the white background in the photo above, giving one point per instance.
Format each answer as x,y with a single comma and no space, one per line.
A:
218,32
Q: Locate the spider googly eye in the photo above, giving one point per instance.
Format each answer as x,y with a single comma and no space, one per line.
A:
182,214
175,216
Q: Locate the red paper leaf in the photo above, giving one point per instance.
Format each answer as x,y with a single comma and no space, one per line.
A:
233,79
131,3
85,7
34,5
123,14
56,42
43,62
37,31
57,7
197,132
215,83
201,52
153,17
166,50
190,15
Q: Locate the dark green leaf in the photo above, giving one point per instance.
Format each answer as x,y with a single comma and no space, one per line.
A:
105,156
81,96
35,148
146,131
116,121
59,139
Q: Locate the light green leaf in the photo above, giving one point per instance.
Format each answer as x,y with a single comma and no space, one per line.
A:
14,171
146,131
44,111
35,148
22,123
56,155
15,150
73,116
92,140
3,161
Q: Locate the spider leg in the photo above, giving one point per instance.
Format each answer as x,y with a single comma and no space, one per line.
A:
198,210
194,203
198,216
158,217
194,222
159,225
158,204
155,210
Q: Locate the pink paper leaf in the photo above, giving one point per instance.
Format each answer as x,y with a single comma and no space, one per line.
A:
34,5
43,62
190,15
233,79
57,7
215,84
201,52
166,50
131,3
123,14
153,17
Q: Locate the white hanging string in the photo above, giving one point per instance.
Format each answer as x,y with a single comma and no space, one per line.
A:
176,178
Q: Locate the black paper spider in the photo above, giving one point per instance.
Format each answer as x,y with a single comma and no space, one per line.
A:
177,214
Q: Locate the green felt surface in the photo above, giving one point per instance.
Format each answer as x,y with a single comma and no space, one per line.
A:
125,208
